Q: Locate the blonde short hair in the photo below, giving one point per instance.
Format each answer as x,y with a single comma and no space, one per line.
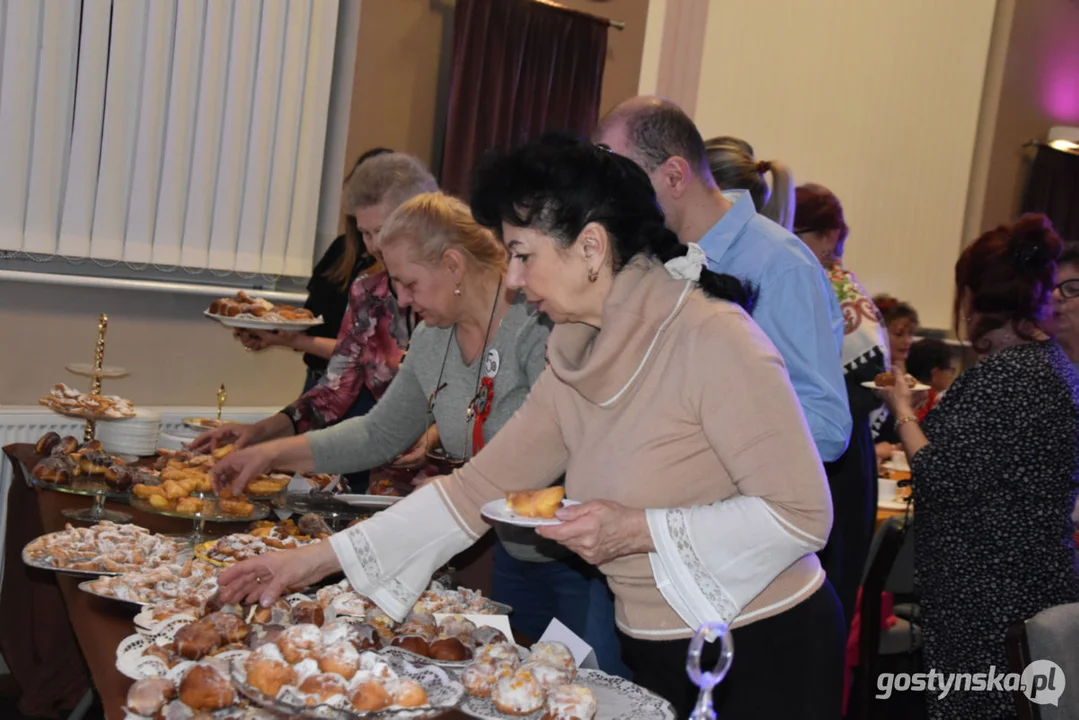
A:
434,223
388,179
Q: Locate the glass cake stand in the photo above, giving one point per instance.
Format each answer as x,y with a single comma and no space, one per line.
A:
198,535
89,486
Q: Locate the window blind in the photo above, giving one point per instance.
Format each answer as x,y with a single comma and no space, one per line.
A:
170,133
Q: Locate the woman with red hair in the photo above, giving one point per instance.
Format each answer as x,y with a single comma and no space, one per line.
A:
994,465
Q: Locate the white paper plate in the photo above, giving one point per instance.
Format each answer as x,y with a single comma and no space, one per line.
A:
615,698
873,386
263,323
497,511
375,501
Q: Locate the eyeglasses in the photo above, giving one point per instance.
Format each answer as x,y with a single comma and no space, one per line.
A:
1068,289
437,455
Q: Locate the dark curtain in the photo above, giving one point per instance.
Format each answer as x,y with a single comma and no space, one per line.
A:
1053,189
520,69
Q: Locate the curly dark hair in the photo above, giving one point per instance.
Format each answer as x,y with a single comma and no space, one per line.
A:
559,184
927,355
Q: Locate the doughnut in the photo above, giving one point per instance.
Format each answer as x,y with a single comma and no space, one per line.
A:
349,603
147,696
555,654
370,696
486,635
499,653
428,633
66,446
231,627
409,693
197,640
570,702
53,470
518,694
479,677
412,643
300,642
205,689
267,675
328,593
548,675
456,626
46,443
340,657
307,611
536,503
260,635
449,649
320,688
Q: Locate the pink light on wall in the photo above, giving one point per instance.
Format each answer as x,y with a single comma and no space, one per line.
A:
1060,75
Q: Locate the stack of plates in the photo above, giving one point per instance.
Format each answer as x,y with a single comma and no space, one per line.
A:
131,436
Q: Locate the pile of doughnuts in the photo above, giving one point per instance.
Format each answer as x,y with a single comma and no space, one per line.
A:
543,680
242,305
183,585
180,475
105,547
67,459
204,688
69,401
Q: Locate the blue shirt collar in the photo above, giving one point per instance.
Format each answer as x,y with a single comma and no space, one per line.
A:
719,239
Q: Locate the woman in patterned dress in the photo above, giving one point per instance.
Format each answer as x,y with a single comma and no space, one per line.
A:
852,479
995,466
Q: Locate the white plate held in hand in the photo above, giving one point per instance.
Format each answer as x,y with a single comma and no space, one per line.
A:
498,511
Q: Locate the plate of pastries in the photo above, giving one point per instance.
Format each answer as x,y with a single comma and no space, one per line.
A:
183,584
889,379
102,549
243,311
86,406
231,549
182,487
531,508
84,468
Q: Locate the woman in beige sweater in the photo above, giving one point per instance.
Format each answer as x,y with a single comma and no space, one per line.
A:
672,416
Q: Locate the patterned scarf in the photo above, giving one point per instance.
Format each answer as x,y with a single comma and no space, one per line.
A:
865,337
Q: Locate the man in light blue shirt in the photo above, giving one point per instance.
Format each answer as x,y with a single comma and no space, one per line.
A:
797,308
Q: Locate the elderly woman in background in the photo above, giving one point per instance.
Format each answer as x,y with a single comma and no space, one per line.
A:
995,467
702,494
327,295
469,367
901,321
819,222
733,166
375,332
1066,302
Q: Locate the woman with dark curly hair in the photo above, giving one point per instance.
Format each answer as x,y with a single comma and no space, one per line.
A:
994,466
702,497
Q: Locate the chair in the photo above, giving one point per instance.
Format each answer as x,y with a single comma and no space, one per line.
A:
1052,634
890,550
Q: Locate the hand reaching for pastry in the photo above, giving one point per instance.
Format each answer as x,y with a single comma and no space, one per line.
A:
265,578
238,434
238,468
600,531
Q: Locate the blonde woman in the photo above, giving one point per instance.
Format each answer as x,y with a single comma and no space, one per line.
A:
470,365
734,167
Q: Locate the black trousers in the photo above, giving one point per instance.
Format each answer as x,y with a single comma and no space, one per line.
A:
786,666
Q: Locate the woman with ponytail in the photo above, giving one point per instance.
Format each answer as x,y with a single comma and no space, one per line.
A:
734,168
994,466
701,494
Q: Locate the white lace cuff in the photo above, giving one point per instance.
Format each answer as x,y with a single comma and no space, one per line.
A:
745,547
390,557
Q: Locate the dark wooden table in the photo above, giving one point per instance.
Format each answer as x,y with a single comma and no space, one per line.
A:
98,625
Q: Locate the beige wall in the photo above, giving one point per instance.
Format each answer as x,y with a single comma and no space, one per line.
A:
1038,88
878,101
174,354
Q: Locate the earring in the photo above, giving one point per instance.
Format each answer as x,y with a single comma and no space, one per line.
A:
593,275
457,290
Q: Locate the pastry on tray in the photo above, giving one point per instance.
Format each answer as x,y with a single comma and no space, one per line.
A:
243,305
69,401
887,379
536,503
105,547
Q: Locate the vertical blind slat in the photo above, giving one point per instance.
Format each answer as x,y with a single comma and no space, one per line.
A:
122,92
260,155
286,138
17,94
316,102
180,132
211,115
243,52
81,189
52,124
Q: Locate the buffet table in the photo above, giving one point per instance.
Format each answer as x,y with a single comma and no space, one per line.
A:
62,639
